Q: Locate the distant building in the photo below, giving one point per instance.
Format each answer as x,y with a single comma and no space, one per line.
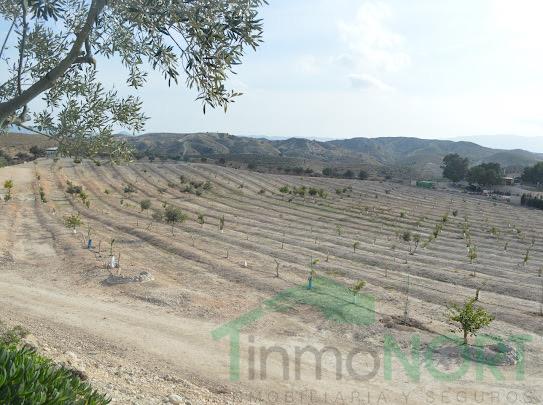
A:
51,152
509,181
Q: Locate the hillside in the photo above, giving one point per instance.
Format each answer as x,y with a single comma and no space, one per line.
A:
160,323
418,154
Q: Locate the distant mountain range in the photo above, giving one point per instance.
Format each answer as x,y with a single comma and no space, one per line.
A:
419,154
532,144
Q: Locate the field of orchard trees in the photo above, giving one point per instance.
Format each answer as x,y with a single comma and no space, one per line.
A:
214,242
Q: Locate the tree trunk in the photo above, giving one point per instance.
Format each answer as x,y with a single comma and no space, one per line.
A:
465,337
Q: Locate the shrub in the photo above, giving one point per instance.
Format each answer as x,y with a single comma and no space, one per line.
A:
145,205
129,188
322,193
355,289
470,318
528,200
284,189
73,221
8,185
362,175
73,188
207,186
32,379
174,215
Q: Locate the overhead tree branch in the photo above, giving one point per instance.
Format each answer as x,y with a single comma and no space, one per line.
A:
9,107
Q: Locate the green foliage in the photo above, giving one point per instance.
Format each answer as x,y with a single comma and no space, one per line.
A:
145,205
173,215
437,230
207,186
54,47
129,188
486,174
533,174
28,378
73,221
73,188
534,201
12,336
322,193
357,286
362,175
455,168
201,219
470,317
8,184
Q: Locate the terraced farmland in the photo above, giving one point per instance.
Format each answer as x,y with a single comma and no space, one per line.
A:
205,276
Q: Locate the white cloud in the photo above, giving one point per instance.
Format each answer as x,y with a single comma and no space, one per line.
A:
365,82
371,42
308,65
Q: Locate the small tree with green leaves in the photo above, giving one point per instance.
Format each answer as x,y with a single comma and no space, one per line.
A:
73,221
8,185
174,215
339,230
356,287
284,189
470,317
145,205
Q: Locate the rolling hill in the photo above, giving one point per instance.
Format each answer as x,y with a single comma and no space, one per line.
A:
414,153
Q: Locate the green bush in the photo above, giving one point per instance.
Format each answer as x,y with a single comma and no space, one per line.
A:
129,188
27,378
73,188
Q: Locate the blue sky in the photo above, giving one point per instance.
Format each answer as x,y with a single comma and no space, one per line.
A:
345,68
